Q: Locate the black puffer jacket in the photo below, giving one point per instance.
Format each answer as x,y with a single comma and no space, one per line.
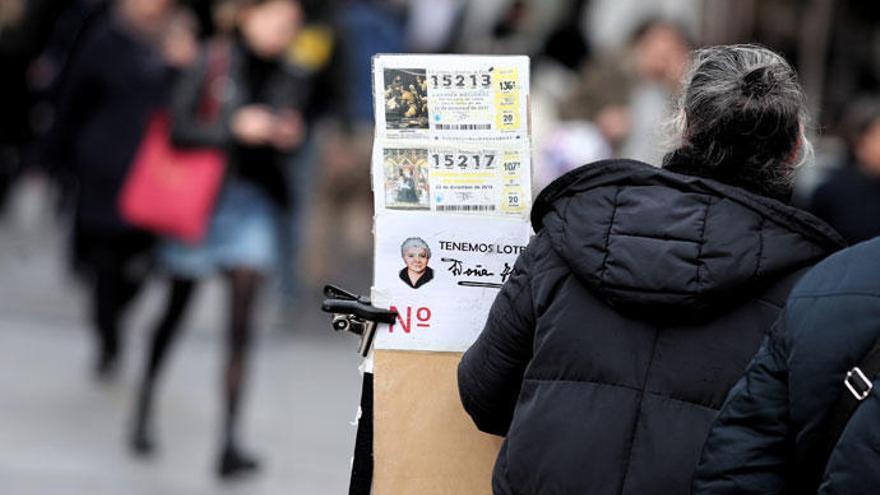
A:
628,318
765,438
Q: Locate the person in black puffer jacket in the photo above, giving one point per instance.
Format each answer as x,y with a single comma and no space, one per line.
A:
646,292
768,437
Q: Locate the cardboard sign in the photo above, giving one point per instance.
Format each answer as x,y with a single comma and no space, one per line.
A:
424,441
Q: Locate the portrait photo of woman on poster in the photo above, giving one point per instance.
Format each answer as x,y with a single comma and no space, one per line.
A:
416,253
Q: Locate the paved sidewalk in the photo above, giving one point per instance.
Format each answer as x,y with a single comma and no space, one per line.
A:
62,433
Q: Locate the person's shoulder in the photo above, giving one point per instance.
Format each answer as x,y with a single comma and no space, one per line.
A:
95,45
833,310
539,256
539,244
855,270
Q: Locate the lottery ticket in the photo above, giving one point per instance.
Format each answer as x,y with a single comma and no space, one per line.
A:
452,134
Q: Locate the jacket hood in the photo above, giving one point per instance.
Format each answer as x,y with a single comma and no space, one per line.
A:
646,238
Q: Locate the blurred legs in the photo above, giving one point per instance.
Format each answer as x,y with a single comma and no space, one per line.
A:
164,334
244,285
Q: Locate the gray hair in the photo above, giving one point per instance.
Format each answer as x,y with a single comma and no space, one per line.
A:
415,242
741,119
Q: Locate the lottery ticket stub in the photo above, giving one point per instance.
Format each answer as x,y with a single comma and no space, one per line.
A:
462,97
452,134
459,179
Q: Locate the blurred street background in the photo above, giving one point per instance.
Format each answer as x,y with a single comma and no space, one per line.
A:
78,82
61,432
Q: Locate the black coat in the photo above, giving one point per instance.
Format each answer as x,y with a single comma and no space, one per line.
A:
628,318
114,83
769,422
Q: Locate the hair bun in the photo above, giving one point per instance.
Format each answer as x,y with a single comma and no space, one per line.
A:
758,82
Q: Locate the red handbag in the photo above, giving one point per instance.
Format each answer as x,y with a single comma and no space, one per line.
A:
170,190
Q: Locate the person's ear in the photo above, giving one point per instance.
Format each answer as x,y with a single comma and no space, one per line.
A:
796,149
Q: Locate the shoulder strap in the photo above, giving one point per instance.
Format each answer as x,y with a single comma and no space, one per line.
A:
217,70
856,387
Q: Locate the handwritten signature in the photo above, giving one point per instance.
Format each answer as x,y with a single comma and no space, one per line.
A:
458,268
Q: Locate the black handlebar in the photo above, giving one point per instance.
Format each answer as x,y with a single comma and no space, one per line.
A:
355,314
360,310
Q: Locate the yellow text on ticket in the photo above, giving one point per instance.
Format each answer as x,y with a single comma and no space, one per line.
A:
506,87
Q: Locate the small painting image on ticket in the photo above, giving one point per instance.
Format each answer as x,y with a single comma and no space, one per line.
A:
406,179
406,99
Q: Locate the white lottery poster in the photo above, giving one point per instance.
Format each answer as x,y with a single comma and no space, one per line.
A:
451,172
441,276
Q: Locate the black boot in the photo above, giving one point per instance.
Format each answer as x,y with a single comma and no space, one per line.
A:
141,440
234,463
107,364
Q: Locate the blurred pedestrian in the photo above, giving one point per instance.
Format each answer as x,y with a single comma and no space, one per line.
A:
20,41
646,292
850,199
593,121
660,54
563,126
791,425
258,124
343,208
115,80
315,51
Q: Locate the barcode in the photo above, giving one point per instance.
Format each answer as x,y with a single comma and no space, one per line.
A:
465,207
463,127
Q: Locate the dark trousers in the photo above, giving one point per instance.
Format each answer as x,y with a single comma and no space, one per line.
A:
118,263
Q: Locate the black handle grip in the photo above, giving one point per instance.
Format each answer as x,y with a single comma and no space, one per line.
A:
364,311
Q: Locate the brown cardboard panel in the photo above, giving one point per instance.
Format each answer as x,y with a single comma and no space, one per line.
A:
424,442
